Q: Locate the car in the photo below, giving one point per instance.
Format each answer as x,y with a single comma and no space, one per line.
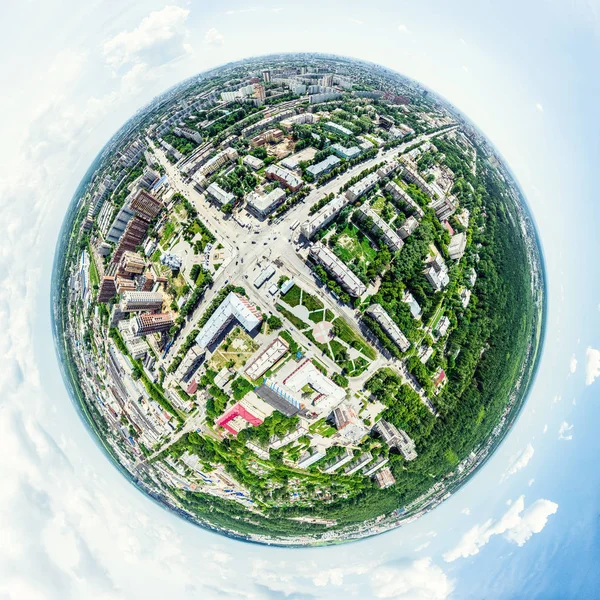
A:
226,282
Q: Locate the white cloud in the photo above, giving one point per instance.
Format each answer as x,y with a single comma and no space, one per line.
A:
158,39
463,42
539,107
416,580
545,430
213,37
530,482
243,10
517,525
592,365
356,21
518,462
403,28
465,511
573,364
564,431
465,68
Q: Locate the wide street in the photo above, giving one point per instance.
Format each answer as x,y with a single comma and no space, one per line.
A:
253,247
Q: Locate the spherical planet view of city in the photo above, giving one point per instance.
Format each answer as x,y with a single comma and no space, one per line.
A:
299,299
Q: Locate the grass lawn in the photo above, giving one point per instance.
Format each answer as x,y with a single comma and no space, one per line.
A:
353,244
292,296
378,205
321,315
322,428
167,233
293,319
178,284
238,347
353,338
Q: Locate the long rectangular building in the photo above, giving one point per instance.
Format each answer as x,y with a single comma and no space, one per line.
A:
391,329
338,269
399,195
267,358
388,235
324,216
396,438
285,177
362,186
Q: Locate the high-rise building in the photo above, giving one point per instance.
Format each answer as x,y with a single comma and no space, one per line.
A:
108,289
259,93
134,235
266,76
149,323
134,301
145,205
132,263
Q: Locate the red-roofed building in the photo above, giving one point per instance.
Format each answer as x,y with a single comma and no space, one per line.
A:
448,227
237,417
439,380
193,387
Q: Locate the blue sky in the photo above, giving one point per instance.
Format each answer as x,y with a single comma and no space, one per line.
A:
526,525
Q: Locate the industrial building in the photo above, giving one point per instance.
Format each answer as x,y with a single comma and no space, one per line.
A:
278,397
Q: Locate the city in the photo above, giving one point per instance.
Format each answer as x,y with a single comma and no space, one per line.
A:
281,300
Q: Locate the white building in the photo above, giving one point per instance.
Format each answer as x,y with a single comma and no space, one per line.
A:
233,307
253,162
390,328
408,227
308,374
324,216
456,248
338,269
267,358
264,204
219,195
391,239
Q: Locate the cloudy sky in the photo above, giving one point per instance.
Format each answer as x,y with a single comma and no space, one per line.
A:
525,73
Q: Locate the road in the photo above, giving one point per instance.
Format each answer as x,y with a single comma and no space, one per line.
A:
249,252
